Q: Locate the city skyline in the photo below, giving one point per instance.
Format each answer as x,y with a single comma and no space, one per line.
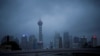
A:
65,41
76,17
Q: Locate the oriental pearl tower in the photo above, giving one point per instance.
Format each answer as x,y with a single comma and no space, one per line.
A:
40,42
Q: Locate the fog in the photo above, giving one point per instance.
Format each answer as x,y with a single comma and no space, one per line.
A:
78,17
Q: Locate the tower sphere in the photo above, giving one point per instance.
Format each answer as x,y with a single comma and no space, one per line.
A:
40,22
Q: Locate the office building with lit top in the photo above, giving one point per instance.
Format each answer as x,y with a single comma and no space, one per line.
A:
24,42
94,41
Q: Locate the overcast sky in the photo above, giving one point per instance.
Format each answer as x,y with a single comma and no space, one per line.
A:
78,17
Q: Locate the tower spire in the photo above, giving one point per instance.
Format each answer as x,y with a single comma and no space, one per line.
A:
40,42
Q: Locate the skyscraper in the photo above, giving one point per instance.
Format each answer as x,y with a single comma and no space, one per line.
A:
76,39
17,40
40,42
83,42
57,40
94,41
76,42
60,42
24,42
32,42
66,40
51,45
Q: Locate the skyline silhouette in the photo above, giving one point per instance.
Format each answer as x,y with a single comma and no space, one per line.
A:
65,41
79,18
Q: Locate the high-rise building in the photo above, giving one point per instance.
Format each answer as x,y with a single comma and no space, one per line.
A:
57,40
89,44
24,42
32,42
71,41
76,39
76,42
11,38
94,41
17,40
66,40
51,45
60,42
83,42
40,42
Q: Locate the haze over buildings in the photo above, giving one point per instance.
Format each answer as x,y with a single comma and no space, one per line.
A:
79,17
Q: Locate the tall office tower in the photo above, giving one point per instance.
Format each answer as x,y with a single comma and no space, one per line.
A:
60,42
66,40
57,41
83,42
51,45
32,42
76,42
24,42
71,41
76,39
40,42
11,38
17,40
94,41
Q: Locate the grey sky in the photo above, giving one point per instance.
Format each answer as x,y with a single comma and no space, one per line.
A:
79,17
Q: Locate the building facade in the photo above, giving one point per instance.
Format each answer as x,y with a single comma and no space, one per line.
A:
57,41
83,42
94,41
32,42
66,40
24,42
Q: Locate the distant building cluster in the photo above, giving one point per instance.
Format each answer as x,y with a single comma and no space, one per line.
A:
28,42
68,41
31,42
59,41
9,43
